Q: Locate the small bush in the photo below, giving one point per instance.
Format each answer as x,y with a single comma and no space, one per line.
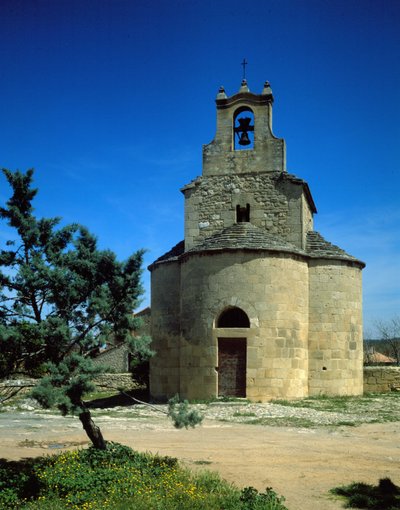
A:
384,496
253,500
18,482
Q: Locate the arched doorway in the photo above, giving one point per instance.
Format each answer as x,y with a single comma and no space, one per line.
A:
232,354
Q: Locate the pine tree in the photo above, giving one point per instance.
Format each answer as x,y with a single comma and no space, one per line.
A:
60,298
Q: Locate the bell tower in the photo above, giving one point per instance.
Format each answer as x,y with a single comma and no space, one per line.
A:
244,141
244,178
253,302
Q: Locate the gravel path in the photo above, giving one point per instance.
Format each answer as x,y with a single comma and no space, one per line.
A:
239,412
248,413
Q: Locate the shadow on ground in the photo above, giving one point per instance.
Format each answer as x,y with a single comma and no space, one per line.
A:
17,480
124,399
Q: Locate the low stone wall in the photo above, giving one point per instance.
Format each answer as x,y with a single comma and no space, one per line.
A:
376,380
104,381
115,359
10,387
381,379
18,383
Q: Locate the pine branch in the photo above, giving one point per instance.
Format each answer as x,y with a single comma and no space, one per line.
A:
9,313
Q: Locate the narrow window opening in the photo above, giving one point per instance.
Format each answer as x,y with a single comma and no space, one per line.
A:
242,214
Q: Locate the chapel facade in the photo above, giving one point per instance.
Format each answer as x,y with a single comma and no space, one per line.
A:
253,302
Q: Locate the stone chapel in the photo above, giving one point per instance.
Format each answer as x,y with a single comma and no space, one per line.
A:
253,302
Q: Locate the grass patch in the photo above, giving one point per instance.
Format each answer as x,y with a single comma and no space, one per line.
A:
243,414
135,414
321,403
120,479
283,421
292,421
97,395
384,496
223,400
377,408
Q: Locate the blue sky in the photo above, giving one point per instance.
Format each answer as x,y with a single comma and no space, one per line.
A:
111,101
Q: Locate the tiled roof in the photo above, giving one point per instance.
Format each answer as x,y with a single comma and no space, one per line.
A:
317,246
378,357
172,254
244,236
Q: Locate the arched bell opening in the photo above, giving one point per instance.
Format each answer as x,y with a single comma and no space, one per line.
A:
243,129
233,317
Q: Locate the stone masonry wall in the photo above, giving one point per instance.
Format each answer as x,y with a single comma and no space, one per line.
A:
307,222
210,206
381,379
165,330
113,381
335,330
376,380
116,358
102,382
269,153
275,298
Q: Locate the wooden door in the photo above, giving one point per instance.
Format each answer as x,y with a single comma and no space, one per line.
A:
232,367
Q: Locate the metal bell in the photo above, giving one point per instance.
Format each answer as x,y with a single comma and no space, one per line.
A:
244,139
243,129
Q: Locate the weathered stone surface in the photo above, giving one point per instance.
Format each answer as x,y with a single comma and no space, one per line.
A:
250,246
115,358
381,379
275,200
114,381
317,247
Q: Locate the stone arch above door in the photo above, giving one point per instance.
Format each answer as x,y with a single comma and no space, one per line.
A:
235,302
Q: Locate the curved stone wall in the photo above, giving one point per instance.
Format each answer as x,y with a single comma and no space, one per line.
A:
335,330
165,330
272,290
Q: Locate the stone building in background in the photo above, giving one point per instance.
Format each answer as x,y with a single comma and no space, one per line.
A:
253,303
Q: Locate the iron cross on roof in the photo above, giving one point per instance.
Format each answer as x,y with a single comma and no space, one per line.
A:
244,64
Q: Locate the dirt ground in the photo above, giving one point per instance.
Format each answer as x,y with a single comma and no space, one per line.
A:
300,464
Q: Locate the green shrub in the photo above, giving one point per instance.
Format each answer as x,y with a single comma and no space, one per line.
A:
18,482
253,500
384,496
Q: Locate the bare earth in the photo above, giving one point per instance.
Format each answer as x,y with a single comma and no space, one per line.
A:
300,464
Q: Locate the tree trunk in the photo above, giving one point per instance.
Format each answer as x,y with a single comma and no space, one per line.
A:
91,429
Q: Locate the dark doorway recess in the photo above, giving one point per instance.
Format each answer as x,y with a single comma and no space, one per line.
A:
232,367
233,317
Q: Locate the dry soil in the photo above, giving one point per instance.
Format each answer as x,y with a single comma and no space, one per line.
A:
300,464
